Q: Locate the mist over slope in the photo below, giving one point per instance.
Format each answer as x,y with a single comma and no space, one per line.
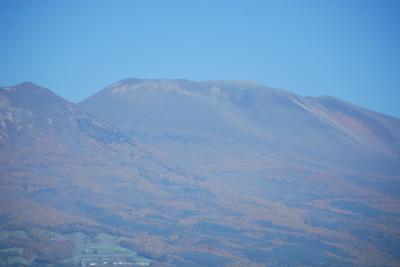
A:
216,173
255,115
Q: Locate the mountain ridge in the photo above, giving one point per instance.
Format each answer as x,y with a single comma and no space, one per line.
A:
197,174
257,111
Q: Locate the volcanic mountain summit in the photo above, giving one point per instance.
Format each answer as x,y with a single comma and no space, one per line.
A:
251,114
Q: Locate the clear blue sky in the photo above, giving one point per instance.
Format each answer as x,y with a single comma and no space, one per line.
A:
349,49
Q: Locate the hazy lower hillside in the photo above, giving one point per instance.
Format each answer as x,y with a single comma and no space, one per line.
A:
64,171
181,173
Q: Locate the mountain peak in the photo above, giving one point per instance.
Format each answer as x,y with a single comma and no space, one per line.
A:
33,95
132,81
28,88
27,85
133,85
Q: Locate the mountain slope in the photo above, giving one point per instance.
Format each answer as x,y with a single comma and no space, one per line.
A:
197,174
255,115
64,170
319,166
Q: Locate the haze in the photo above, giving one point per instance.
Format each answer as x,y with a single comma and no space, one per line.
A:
207,133
348,49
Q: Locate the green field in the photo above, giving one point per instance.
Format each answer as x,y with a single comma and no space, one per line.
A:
101,250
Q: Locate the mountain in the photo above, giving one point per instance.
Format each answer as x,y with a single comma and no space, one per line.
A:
252,143
65,171
183,173
321,128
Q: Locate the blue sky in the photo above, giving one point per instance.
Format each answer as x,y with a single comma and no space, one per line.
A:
349,49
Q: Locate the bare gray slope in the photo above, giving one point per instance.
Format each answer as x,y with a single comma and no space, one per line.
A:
251,114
